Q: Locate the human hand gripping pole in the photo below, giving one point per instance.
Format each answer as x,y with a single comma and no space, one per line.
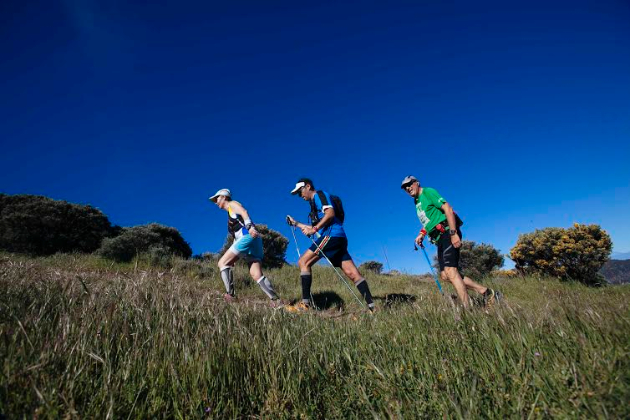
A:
291,222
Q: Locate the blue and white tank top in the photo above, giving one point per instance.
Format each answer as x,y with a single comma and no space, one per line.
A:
236,224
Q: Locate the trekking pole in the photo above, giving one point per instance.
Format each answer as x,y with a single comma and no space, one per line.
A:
298,252
437,281
294,238
337,272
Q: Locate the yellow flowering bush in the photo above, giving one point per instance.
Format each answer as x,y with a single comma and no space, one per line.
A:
575,253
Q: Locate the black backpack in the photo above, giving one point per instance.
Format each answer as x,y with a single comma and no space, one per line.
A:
336,203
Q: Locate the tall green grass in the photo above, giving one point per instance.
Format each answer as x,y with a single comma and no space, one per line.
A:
81,337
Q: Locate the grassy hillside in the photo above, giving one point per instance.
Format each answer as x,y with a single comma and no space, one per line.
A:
80,337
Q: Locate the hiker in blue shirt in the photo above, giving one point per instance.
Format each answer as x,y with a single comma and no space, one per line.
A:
326,230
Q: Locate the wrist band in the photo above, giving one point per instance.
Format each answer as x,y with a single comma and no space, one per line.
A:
423,231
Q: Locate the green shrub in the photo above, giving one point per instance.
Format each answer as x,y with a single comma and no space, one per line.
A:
206,256
476,260
274,246
373,266
39,225
160,256
577,253
479,260
158,241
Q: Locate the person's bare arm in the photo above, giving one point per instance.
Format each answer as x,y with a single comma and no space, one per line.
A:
452,224
238,209
329,214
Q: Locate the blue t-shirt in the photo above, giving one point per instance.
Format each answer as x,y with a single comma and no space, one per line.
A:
335,229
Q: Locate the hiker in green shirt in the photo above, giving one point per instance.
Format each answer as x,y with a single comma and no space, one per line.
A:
442,224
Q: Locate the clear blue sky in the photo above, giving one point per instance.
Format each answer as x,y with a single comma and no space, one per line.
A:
517,112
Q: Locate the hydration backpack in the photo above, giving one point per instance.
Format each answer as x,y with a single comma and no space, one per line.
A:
335,203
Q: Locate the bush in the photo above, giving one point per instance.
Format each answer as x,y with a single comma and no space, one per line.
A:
576,253
374,266
477,261
274,247
160,242
39,225
206,256
506,273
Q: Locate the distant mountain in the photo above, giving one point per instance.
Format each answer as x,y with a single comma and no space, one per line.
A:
620,256
616,271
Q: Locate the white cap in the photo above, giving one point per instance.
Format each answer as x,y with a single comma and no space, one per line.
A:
297,187
222,192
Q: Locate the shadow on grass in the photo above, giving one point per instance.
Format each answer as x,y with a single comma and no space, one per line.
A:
327,300
392,299
476,301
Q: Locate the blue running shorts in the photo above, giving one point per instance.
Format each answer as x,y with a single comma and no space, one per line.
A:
248,248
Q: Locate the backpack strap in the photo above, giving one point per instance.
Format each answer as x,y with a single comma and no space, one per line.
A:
312,216
323,199
325,202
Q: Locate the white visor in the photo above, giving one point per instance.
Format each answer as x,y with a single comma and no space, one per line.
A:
222,192
297,187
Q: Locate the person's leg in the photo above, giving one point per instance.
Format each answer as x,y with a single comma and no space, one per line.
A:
470,284
350,270
448,257
253,254
255,270
490,296
226,263
458,283
305,263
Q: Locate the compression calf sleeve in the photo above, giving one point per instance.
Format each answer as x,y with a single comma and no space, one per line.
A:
364,289
307,279
228,280
265,286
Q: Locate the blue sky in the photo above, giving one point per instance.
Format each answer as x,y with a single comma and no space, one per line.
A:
518,113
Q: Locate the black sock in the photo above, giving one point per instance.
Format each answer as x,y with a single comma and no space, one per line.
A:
307,279
364,289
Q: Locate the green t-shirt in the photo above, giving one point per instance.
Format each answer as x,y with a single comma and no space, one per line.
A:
428,207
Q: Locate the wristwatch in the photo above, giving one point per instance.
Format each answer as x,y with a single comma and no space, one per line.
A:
452,232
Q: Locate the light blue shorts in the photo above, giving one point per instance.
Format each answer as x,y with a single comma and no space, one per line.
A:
248,248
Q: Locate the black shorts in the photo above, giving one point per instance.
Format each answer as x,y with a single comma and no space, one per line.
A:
448,255
334,248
